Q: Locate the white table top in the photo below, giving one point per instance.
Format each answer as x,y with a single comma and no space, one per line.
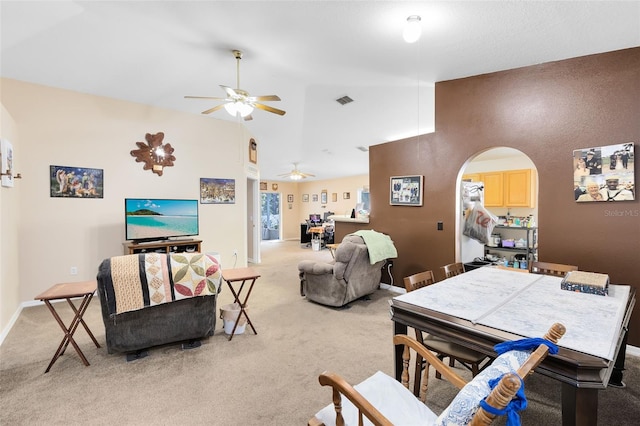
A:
528,304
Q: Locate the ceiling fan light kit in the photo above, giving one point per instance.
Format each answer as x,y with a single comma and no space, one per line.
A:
238,101
296,174
412,29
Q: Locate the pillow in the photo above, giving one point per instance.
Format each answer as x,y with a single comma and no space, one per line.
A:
466,403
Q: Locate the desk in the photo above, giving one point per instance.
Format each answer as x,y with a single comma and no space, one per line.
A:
69,291
488,305
232,276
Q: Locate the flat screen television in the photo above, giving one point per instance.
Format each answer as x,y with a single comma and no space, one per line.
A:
154,219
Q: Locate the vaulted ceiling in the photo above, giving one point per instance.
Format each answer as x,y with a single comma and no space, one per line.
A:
309,53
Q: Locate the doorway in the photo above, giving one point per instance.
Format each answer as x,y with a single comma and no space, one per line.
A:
492,160
270,215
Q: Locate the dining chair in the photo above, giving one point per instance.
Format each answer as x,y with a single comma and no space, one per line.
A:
555,269
384,401
470,359
452,269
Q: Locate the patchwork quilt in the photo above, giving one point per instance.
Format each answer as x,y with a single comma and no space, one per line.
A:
140,280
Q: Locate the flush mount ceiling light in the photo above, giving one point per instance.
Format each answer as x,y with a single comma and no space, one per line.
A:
412,29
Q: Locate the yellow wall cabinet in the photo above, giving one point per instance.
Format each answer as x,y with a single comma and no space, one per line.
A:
510,188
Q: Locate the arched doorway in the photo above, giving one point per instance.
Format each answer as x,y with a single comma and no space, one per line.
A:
497,166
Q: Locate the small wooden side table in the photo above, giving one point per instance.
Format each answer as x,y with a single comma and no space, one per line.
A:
235,275
69,291
332,249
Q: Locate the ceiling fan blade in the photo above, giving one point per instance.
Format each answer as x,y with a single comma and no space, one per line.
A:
205,97
270,109
230,92
265,98
215,108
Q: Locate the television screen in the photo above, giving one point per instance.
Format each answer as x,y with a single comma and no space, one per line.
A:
315,218
148,219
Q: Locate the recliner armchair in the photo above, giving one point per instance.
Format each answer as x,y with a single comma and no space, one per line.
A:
349,277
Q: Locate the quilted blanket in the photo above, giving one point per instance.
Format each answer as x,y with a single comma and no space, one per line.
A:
141,280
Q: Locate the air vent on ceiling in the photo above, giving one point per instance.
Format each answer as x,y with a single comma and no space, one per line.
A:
344,100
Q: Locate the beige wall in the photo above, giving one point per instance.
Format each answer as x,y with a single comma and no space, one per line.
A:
58,127
9,225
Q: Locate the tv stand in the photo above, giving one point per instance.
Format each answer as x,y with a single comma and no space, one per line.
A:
167,246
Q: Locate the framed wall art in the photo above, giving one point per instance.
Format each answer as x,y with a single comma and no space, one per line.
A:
605,173
217,191
305,198
334,197
263,186
346,195
75,182
314,198
323,197
290,198
406,190
6,162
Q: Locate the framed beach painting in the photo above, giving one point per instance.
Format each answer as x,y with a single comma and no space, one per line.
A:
75,182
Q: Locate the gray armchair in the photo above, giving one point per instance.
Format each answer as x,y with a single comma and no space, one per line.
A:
349,277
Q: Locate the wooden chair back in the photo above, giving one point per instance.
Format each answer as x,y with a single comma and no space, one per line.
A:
452,269
419,280
499,397
555,269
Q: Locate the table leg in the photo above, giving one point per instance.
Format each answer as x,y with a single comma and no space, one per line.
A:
86,328
236,297
68,332
618,367
579,406
398,349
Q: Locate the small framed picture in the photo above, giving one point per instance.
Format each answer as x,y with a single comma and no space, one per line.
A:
334,197
323,197
76,182
217,191
405,190
263,186
314,198
290,198
346,195
305,198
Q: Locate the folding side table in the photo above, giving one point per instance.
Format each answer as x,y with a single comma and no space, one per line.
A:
69,291
236,275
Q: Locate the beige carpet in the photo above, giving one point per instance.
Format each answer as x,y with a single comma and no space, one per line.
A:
269,378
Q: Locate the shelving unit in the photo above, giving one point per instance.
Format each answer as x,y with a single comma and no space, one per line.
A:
171,246
530,237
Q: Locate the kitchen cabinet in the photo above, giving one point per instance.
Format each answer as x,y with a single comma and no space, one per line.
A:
509,188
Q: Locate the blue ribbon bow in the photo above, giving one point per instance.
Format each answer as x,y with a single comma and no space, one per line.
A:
518,403
525,344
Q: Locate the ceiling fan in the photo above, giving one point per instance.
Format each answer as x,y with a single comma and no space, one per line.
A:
296,174
238,101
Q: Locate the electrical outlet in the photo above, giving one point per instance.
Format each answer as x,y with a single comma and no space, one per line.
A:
74,270
235,252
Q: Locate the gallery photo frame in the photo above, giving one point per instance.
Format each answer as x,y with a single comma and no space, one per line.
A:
406,190
75,182
217,191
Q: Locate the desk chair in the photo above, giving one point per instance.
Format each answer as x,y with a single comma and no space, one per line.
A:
555,269
470,359
385,401
452,269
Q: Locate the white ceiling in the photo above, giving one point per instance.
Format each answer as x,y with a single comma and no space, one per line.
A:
308,52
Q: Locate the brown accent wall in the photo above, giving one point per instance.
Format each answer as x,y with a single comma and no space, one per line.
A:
545,111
